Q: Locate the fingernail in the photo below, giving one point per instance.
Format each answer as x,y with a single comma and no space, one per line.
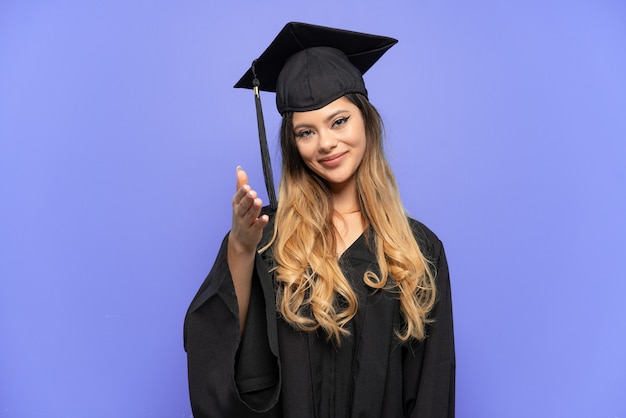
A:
238,167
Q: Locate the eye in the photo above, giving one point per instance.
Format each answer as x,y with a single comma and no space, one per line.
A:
304,134
341,121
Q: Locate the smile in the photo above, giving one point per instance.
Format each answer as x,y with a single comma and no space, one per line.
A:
333,160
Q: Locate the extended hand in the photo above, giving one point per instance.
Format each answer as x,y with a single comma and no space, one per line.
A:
247,228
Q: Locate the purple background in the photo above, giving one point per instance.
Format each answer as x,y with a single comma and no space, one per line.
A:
120,133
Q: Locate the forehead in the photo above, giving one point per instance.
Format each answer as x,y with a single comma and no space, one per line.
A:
338,106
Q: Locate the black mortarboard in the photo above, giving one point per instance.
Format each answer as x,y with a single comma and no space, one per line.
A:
309,66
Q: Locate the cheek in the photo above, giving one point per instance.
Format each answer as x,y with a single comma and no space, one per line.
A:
305,150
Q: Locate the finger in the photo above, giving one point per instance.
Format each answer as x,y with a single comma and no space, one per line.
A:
241,194
261,221
249,214
242,177
258,222
246,207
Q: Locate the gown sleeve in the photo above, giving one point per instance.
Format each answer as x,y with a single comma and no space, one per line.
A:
232,375
433,359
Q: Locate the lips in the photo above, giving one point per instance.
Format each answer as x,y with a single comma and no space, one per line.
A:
333,160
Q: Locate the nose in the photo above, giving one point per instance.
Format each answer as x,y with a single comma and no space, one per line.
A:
327,142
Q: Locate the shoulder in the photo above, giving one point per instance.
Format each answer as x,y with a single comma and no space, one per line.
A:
267,255
269,211
268,230
427,240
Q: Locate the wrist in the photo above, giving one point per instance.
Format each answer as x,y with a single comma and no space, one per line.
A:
236,247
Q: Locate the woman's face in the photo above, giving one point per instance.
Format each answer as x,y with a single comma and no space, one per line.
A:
331,141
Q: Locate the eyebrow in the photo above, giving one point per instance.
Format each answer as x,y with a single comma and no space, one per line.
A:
328,119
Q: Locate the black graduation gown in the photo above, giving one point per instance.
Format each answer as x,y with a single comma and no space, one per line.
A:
274,370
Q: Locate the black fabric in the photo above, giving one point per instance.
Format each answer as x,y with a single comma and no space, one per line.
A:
315,76
276,371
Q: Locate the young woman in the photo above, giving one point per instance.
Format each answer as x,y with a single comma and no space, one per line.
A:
336,304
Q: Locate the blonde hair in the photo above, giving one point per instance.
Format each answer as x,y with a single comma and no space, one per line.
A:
312,292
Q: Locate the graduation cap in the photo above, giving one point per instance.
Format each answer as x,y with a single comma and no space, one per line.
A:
310,66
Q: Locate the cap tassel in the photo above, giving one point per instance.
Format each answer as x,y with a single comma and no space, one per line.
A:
265,154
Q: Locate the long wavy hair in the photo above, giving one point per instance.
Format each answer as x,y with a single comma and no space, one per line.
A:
312,292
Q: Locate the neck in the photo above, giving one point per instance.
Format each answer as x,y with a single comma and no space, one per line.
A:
345,200
348,220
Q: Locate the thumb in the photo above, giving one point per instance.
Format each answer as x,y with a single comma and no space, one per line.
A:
242,178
